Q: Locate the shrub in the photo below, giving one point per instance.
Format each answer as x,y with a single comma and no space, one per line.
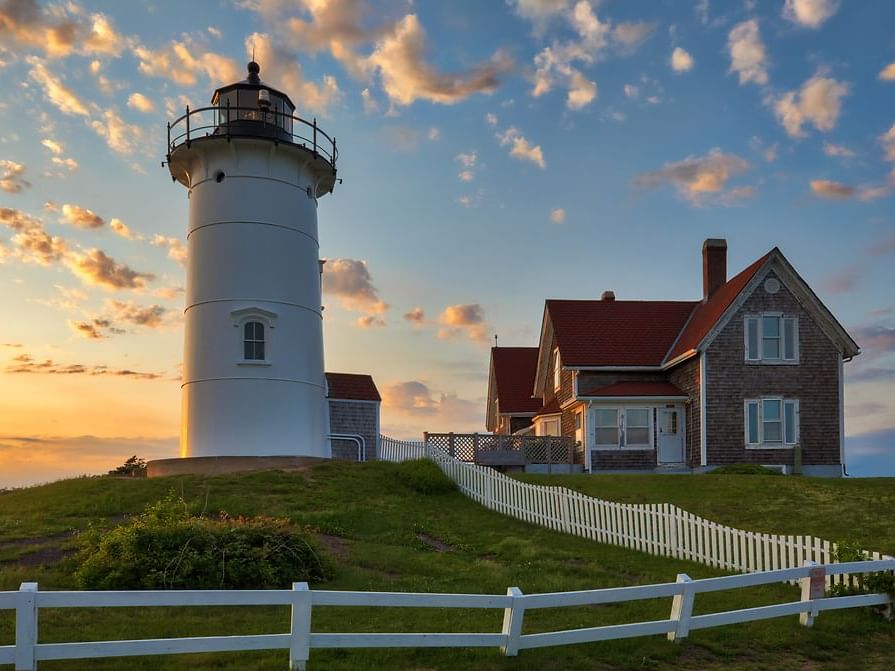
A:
744,469
134,467
881,582
167,547
423,477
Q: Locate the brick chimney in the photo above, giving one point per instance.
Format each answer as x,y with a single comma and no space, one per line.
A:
608,296
714,265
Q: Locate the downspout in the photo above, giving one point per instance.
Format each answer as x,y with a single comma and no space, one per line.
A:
842,416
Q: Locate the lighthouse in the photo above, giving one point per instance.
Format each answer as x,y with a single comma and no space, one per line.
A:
253,378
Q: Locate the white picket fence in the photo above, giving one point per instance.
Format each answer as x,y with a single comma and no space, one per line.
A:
657,528
300,640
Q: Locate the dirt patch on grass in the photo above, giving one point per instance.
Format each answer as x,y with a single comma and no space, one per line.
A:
43,557
36,540
434,543
336,546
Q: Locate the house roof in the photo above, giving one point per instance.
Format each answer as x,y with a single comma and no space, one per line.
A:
616,333
514,374
352,387
638,390
707,313
550,408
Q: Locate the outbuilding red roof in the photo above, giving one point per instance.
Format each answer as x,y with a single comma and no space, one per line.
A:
707,313
638,389
616,333
514,375
352,387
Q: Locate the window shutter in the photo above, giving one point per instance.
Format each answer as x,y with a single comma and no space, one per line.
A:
790,338
791,422
753,423
751,339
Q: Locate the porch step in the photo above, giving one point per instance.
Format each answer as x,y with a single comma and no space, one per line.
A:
672,469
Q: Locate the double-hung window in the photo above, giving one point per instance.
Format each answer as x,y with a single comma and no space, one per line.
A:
557,380
606,423
622,427
637,427
253,341
771,337
772,422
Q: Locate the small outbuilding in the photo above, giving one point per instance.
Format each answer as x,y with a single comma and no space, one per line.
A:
353,403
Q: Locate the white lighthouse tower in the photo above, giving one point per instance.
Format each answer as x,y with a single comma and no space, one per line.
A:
253,377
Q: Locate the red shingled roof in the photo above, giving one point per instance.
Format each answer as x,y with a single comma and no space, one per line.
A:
616,333
707,314
638,389
514,375
352,387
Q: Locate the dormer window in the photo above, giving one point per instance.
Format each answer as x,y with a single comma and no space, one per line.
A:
771,337
253,341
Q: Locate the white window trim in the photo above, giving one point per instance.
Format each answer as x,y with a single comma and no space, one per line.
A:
621,425
557,376
241,317
759,320
761,445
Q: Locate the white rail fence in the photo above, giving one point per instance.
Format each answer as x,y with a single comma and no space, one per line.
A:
656,528
300,640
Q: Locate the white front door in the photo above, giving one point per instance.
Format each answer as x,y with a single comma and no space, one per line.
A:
671,436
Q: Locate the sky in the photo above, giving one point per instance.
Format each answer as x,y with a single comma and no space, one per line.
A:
494,154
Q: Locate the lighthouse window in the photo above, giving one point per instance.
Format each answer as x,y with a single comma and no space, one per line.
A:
253,341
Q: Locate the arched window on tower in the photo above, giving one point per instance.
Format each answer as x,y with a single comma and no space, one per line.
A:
253,341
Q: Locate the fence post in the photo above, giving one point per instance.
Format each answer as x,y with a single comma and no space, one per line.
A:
452,444
26,626
300,643
512,622
682,608
475,448
812,588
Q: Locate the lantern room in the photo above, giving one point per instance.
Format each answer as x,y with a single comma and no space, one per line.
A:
251,107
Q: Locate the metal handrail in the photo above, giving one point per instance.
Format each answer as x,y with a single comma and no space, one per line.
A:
185,132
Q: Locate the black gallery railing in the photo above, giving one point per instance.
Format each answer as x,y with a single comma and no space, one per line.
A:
206,122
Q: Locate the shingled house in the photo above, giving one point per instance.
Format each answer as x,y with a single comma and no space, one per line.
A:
752,373
353,404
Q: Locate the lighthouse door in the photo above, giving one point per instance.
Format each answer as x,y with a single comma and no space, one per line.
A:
671,438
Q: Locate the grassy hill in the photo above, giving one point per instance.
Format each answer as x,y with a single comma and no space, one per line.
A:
382,533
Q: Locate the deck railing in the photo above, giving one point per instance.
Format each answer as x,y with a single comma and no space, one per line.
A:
656,528
300,640
507,450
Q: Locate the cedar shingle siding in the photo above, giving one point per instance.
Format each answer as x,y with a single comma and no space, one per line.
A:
354,417
814,381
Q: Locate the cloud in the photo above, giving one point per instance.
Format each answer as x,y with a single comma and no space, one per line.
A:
369,321
468,319
182,61
406,76
176,249
24,364
57,93
887,140
350,281
150,316
631,91
370,104
818,102
558,215
26,23
747,53
120,228
440,410
825,188
409,397
54,146
491,119
416,316
282,69
17,220
521,148
122,137
81,217
468,162
681,60
582,91
11,177
140,102
809,13
35,245
696,177
841,150
540,12
96,268
329,21
631,35
93,329
69,164
887,74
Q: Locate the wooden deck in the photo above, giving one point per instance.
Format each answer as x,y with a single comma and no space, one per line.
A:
506,450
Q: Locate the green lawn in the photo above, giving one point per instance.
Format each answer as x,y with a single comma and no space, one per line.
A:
382,534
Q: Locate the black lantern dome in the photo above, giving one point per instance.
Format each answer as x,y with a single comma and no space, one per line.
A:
251,107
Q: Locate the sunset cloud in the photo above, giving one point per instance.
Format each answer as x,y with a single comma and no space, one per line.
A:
521,148
121,136
54,146
839,150
12,177
818,103
350,281
887,74
467,162
93,329
369,321
747,53
697,177
582,91
463,319
809,13
140,102
81,217
57,93
35,245
558,215
681,60
176,249
25,364
182,61
150,316
120,228
825,188
415,316
96,268
442,411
